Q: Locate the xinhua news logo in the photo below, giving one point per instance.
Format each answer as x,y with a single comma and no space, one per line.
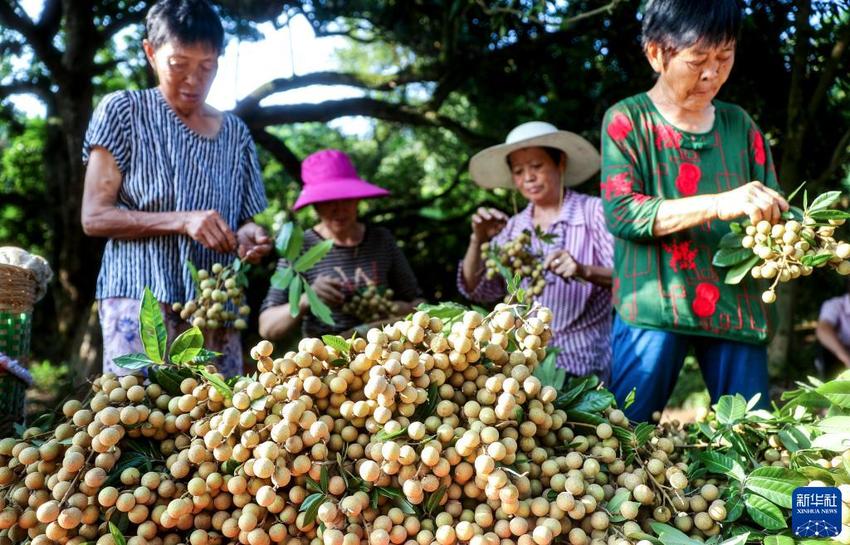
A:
816,511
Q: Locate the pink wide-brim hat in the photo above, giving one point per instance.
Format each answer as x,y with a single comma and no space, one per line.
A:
329,175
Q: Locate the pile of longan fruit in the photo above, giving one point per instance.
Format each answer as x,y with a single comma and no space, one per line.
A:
425,431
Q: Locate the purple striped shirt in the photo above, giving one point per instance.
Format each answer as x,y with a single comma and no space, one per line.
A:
581,311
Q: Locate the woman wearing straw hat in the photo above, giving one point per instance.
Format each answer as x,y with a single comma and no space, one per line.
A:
542,163
362,255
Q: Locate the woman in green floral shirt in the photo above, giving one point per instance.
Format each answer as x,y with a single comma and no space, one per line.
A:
677,166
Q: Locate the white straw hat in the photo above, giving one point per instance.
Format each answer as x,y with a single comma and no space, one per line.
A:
489,167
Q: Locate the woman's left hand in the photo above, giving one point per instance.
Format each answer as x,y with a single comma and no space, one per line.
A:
562,263
254,243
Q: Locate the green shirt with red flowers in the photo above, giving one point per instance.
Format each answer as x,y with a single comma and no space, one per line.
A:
669,282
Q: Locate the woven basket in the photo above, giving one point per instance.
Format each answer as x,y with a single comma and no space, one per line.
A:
17,297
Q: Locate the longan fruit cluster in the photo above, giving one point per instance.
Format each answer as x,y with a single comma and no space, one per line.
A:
219,293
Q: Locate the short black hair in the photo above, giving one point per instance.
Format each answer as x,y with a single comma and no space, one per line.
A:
187,22
679,24
554,153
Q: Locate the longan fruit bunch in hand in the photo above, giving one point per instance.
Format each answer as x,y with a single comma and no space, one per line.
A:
517,257
793,249
220,290
371,304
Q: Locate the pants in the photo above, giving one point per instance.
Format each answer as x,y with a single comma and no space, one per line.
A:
119,322
650,361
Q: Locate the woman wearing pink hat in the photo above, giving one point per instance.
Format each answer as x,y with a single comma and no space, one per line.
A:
362,255
542,162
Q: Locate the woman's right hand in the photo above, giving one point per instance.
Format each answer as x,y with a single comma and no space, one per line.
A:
329,289
487,223
208,228
754,200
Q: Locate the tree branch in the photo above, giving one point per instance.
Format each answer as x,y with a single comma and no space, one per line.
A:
827,77
40,41
365,106
280,85
366,40
274,145
839,156
120,22
51,17
608,8
38,87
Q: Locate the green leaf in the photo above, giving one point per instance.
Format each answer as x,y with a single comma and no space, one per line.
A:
793,213
775,484
795,438
739,539
152,327
795,192
824,201
229,467
217,383
187,346
731,241
823,215
737,273
834,424
434,499
443,311
672,536
736,228
259,404
643,433
764,513
734,506
133,361
337,343
313,256
595,401
728,257
815,260
205,356
836,442
723,464
427,409
514,283
318,307
584,417
312,485
406,507
282,278
778,540
295,296
311,507
290,241
193,271
386,436
630,399
837,392
613,505
730,409
116,534
324,478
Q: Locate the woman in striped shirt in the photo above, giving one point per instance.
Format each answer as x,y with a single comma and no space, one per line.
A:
169,179
541,162
362,255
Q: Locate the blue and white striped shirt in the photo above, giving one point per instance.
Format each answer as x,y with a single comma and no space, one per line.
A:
168,167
